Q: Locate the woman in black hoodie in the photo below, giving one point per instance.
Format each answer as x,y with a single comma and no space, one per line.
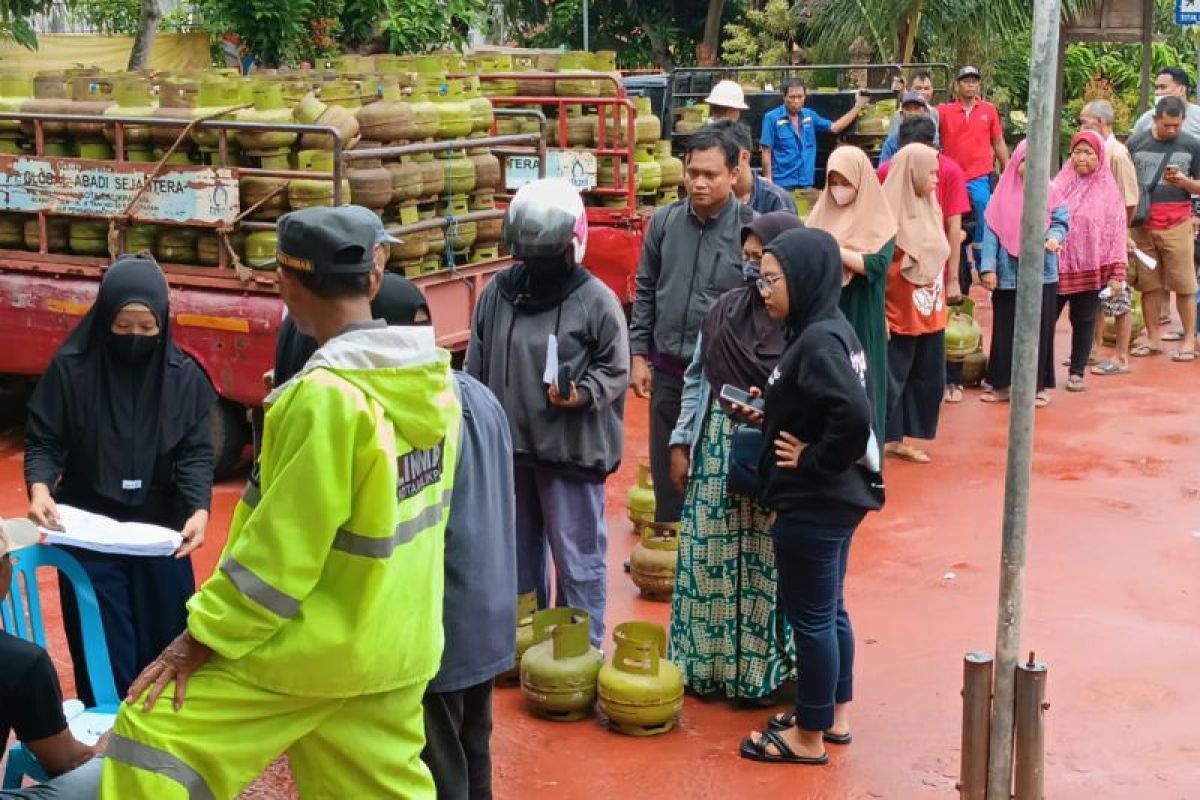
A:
821,477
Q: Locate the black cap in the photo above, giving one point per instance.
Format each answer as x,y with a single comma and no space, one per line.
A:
968,72
326,240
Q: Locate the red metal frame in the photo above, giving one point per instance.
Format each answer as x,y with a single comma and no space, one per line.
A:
615,239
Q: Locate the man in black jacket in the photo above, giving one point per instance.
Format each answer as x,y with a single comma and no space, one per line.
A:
691,255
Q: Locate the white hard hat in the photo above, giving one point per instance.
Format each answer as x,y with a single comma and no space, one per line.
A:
729,95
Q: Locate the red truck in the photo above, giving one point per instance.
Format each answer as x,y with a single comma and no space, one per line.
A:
224,316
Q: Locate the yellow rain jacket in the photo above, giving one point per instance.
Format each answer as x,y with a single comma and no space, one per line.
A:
331,582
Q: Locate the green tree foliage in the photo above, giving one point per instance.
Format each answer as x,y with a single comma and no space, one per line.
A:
765,36
14,20
644,33
273,30
413,26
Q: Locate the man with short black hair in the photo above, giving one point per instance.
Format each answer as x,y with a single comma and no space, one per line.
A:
973,136
921,85
912,104
322,625
1168,165
789,136
692,253
761,195
1171,82
31,700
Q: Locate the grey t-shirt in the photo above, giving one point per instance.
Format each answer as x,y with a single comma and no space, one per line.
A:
1148,154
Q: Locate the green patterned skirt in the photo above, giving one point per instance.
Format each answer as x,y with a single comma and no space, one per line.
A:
727,632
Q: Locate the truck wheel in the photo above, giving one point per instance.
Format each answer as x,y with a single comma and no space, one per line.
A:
230,434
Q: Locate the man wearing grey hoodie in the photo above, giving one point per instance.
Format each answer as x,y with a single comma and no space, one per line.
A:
549,340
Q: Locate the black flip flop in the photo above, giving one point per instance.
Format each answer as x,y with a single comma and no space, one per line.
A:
757,751
781,722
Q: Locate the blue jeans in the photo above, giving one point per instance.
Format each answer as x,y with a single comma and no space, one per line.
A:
811,560
81,783
565,515
979,190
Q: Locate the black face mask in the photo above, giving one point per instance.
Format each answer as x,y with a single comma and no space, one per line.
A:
130,349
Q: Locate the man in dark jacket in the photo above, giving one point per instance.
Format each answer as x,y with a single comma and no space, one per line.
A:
754,191
549,340
691,255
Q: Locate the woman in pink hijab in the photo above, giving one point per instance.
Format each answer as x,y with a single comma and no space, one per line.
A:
998,273
1094,254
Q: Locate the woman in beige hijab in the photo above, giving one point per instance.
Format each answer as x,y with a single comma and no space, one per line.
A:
916,302
853,209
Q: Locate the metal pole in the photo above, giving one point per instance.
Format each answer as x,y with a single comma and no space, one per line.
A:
1046,17
1031,731
585,25
977,702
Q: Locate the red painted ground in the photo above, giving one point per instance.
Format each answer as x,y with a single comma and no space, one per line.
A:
1112,604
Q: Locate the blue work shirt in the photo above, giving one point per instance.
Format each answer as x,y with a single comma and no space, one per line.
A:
793,158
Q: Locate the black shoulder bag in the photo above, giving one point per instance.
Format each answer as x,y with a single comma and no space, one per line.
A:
1142,213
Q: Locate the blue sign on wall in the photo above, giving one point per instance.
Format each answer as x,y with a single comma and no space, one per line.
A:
1187,12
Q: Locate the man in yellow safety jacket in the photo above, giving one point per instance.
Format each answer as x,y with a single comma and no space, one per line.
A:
320,629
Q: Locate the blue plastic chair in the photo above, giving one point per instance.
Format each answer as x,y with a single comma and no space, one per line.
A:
21,616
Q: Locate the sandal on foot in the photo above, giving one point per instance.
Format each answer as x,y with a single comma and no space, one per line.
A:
1172,336
994,396
1183,356
757,751
1075,383
781,722
1144,350
1041,400
908,453
953,394
838,738
1109,367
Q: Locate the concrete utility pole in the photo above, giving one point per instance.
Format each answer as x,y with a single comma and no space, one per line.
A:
1046,18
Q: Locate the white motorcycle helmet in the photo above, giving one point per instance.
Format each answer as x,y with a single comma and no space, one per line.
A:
546,218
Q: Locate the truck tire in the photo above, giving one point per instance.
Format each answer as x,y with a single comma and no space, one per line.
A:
230,435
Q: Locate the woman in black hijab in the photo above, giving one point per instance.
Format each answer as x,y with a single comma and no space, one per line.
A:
821,476
118,425
726,635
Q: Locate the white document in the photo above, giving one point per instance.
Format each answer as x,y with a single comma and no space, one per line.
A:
103,534
551,373
89,726
1145,258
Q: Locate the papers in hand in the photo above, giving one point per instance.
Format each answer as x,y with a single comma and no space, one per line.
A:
551,373
1145,258
103,534
87,726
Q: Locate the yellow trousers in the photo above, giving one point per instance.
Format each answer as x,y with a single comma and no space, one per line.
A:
228,732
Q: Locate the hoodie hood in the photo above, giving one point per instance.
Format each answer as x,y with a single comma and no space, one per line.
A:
402,368
812,267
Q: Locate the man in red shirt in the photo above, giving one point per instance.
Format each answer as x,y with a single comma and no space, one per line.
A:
972,136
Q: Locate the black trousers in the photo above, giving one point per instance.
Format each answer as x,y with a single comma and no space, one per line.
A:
916,382
458,749
664,414
143,606
1085,310
1004,319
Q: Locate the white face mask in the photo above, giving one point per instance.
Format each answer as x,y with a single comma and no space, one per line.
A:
843,195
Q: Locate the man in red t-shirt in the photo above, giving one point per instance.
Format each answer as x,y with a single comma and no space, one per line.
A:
971,135
955,202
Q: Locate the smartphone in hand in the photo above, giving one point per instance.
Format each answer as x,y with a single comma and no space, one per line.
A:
564,381
734,395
